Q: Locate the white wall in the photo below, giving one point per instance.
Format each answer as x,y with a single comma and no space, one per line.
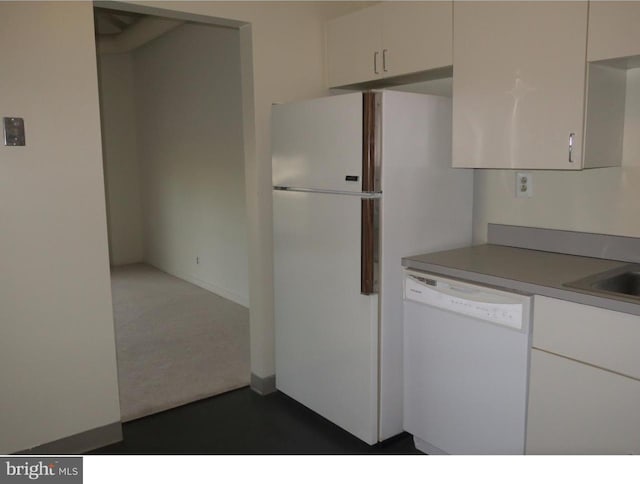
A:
121,169
605,200
57,350
190,148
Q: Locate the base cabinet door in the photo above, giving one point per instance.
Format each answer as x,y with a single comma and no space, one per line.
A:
576,408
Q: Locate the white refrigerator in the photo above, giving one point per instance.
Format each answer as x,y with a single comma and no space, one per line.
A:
360,180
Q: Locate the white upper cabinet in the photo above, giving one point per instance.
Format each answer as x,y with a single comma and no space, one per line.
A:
613,30
354,47
519,84
416,36
388,40
613,46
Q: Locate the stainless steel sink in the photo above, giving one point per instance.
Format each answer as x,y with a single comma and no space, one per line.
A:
623,282
626,283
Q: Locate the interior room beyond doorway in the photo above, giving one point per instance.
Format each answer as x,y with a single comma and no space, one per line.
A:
171,108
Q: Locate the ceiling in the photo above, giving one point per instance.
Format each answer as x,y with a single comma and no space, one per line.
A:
114,22
118,31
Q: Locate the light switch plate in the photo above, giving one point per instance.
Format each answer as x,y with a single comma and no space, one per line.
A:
13,131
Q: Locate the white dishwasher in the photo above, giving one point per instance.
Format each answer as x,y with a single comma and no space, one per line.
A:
466,365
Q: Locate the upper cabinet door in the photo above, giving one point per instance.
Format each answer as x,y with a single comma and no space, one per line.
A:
354,47
519,84
613,30
416,36
389,40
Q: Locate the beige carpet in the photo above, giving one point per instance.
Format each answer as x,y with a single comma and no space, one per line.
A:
176,343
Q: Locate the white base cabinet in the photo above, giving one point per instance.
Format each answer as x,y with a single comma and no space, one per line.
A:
584,385
576,408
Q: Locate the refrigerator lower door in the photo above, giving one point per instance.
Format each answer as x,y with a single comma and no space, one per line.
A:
326,331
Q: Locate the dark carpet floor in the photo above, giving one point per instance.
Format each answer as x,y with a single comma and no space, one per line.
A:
243,422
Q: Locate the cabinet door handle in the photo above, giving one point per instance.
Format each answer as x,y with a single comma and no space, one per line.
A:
384,60
571,136
375,62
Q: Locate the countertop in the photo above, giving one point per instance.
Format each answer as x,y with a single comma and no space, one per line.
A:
524,270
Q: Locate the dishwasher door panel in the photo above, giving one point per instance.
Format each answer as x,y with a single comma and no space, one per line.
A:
465,382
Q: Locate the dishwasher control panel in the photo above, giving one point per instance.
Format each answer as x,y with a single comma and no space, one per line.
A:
487,304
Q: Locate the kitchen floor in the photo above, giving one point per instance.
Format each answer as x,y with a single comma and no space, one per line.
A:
243,422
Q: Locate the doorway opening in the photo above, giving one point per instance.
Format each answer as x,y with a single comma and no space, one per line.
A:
173,151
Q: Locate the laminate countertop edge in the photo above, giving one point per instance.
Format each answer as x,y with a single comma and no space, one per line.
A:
521,284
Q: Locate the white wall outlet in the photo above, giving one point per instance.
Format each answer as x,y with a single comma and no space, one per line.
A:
524,185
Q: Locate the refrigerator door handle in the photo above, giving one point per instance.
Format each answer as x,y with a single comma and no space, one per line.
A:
371,141
369,260
371,164
364,195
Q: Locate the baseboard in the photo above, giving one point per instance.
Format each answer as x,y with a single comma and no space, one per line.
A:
80,443
230,295
263,386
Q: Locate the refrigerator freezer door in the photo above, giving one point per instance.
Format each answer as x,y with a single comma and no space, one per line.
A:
326,330
317,143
